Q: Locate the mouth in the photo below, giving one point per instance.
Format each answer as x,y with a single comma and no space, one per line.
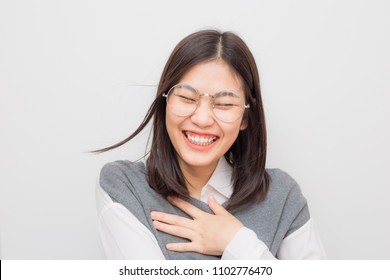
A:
200,140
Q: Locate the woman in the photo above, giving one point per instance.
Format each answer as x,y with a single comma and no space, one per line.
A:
204,192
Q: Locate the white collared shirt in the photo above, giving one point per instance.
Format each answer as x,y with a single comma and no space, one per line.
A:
123,236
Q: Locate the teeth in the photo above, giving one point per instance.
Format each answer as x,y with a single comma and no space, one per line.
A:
201,141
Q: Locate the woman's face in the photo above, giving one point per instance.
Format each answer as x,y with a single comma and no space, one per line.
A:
201,139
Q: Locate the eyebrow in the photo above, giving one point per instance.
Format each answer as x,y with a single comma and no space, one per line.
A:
222,92
228,92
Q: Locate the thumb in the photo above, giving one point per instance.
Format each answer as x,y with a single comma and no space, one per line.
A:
215,206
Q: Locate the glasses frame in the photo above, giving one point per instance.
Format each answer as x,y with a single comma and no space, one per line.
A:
166,95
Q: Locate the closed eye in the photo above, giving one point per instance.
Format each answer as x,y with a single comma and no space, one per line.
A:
224,106
185,99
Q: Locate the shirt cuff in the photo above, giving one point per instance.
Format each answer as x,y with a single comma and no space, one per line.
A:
246,246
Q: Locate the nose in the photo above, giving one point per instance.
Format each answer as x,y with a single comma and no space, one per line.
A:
203,115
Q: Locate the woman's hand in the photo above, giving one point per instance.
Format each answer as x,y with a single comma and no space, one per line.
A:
209,233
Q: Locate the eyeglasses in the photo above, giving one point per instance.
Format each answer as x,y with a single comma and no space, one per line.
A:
183,100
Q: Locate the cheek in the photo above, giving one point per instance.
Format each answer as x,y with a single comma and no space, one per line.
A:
231,133
169,126
172,124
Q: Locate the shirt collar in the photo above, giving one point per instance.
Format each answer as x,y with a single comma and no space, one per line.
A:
220,180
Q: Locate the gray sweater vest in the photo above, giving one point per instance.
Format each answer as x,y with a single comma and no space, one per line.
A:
282,212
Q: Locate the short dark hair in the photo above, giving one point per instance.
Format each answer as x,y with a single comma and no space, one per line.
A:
247,155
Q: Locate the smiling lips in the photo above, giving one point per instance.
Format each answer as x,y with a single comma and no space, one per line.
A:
200,140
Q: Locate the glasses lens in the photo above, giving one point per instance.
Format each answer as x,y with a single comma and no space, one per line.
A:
228,106
182,100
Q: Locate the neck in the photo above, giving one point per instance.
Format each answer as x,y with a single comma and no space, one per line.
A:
196,177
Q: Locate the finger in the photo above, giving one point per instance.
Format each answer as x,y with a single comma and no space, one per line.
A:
175,230
182,247
187,207
172,219
215,206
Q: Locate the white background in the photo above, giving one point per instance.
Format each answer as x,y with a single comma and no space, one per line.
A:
78,75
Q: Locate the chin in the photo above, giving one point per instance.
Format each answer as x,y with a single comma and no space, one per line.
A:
193,161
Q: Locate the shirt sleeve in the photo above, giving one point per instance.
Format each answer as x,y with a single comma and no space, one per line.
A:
302,244
121,234
246,246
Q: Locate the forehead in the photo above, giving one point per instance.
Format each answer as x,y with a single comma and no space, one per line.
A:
213,76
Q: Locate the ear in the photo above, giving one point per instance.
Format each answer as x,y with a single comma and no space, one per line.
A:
244,124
